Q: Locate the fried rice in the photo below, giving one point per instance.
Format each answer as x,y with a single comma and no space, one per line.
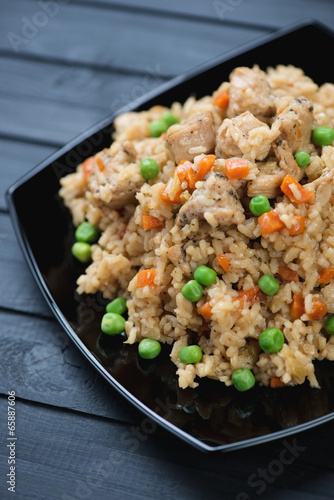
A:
262,117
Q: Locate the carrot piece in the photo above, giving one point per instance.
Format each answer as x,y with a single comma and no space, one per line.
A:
146,278
276,382
331,199
236,168
326,275
297,308
185,173
270,222
295,191
249,296
288,274
165,196
100,165
299,226
223,262
221,100
205,310
150,222
87,166
319,309
204,167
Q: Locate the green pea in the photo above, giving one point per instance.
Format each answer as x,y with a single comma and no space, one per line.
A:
271,340
157,127
323,136
259,205
190,354
302,158
243,379
82,251
329,325
205,275
149,348
112,324
192,291
149,168
117,306
170,119
268,284
87,233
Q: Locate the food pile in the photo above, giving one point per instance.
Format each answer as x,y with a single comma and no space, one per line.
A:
210,227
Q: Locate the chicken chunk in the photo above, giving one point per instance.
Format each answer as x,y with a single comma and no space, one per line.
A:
294,123
266,185
244,136
249,90
217,202
177,256
116,178
194,136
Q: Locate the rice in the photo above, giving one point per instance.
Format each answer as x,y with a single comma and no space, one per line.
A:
198,223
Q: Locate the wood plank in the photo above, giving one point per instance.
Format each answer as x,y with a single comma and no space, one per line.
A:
105,90
94,457
268,14
41,364
117,38
18,290
18,158
39,119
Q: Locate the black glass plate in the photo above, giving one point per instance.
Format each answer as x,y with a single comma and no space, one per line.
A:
212,416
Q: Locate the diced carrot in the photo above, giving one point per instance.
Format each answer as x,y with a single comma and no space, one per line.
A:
295,191
205,310
236,168
326,275
270,222
87,166
221,100
146,278
185,173
288,274
150,222
248,297
297,308
100,165
276,382
223,262
319,309
165,196
204,167
299,226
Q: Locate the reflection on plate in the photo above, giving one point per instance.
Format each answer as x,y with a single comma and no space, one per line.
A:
212,416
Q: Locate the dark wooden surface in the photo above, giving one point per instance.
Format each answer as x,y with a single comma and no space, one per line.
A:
77,438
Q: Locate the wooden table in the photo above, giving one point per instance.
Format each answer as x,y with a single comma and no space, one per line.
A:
65,65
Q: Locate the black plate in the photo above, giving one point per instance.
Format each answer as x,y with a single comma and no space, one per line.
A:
211,417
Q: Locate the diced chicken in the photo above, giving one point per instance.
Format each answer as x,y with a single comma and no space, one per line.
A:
192,137
217,202
249,90
294,123
176,255
116,179
286,159
322,186
244,136
267,185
